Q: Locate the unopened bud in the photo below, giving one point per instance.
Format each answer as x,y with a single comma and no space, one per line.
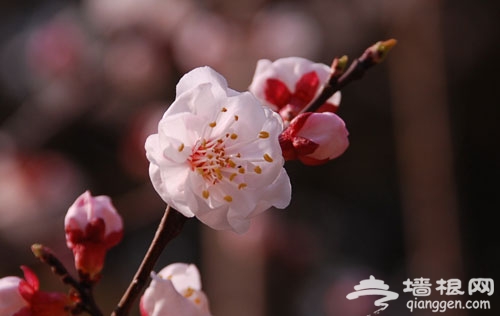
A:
314,138
380,49
92,226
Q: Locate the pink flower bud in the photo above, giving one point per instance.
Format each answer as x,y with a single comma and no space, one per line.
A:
20,297
92,226
314,138
176,290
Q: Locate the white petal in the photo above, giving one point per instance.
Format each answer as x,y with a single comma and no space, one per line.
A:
182,275
201,76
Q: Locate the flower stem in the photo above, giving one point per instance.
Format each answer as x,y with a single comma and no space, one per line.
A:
84,290
373,55
170,226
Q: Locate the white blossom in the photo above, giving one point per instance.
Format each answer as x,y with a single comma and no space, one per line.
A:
216,155
175,290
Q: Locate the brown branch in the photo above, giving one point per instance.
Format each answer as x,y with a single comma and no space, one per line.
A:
339,79
84,290
170,226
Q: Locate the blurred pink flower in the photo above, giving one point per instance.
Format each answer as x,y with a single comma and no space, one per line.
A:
284,31
20,297
176,290
57,48
159,17
92,226
216,155
289,86
204,39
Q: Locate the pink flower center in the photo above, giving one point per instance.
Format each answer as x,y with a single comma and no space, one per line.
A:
277,92
209,158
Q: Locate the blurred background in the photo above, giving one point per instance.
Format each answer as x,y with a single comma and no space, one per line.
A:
83,83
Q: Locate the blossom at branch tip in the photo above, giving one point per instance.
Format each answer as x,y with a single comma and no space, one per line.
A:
92,227
175,290
22,297
289,86
216,155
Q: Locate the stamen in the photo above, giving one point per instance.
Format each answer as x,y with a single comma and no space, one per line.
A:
257,170
224,110
242,185
236,117
189,292
268,158
263,134
228,198
234,136
212,124
181,147
241,170
232,176
205,194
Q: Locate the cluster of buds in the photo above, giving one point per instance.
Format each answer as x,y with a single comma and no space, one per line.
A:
307,96
290,86
218,155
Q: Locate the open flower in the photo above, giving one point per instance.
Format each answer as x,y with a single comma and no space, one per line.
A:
92,226
20,297
289,86
176,290
217,155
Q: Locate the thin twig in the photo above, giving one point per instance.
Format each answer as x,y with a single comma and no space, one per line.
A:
372,56
87,302
170,226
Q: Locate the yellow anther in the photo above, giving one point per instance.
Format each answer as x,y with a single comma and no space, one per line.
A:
236,117
241,170
231,164
263,134
242,185
257,170
238,155
205,194
228,198
212,124
181,147
218,173
268,158
224,110
232,176
197,301
234,136
189,292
